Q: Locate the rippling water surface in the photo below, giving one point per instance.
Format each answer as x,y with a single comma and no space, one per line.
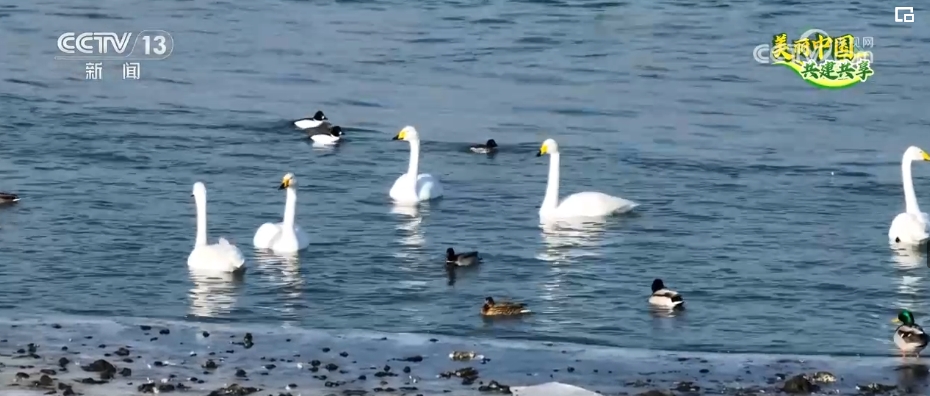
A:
764,200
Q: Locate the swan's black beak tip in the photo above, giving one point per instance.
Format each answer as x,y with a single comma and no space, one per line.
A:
538,154
394,138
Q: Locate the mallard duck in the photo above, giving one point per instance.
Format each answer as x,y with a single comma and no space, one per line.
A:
662,297
7,198
486,148
461,259
909,336
311,122
490,308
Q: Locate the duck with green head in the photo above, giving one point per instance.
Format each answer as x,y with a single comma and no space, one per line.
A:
909,336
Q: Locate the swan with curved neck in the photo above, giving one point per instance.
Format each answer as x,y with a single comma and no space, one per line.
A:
286,236
578,205
910,228
413,187
221,256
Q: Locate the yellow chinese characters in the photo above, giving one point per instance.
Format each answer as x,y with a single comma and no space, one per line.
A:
780,48
823,43
844,48
802,50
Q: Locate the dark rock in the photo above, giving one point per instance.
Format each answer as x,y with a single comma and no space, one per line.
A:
332,367
270,366
205,334
164,331
98,365
22,375
240,373
704,371
415,359
467,372
145,328
44,381
291,386
147,388
48,371
166,388
127,360
799,384
234,390
209,365
122,352
686,386
158,363
386,368
570,369
56,326
326,350
344,354
63,362
315,363
92,381
653,393
406,369
362,377
125,372
495,387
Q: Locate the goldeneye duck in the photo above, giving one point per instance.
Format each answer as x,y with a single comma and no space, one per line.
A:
312,122
333,136
486,148
663,297
461,259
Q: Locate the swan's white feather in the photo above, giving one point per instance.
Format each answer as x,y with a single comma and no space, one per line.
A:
404,191
269,236
220,257
910,228
265,235
325,139
308,123
592,204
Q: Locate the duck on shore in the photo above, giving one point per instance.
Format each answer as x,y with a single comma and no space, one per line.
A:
909,336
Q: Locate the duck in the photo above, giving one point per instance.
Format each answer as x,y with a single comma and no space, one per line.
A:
909,229
311,122
490,308
286,236
7,198
663,297
461,259
588,204
222,256
909,336
487,148
331,136
414,187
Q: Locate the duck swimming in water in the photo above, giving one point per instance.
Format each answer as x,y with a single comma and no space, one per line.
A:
461,259
311,122
665,298
909,336
491,308
7,198
487,148
332,136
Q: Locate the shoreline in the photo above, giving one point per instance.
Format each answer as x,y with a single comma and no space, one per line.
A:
101,357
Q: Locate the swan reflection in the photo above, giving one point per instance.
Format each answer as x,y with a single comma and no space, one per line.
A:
907,259
411,235
566,240
909,283
282,274
213,294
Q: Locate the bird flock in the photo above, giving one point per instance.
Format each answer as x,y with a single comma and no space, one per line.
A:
908,230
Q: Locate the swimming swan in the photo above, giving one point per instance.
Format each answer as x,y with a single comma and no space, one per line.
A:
910,227
411,188
221,256
286,236
583,204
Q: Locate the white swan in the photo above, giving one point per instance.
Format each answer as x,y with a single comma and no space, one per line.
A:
910,228
221,256
583,204
411,188
286,236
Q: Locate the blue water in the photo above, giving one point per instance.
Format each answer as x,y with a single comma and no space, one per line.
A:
765,201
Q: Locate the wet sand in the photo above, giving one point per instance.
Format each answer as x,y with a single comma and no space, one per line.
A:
103,357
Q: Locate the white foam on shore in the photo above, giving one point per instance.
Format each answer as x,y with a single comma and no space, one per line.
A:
513,362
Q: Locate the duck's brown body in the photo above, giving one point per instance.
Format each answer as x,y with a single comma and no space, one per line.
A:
491,308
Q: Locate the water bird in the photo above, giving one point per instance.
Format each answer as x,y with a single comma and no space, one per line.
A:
487,148
7,198
663,297
221,256
465,355
413,187
909,336
311,122
329,136
461,259
286,236
910,228
491,308
578,205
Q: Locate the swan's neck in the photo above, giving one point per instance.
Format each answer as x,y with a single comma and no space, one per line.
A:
414,158
290,208
201,222
910,199
551,201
